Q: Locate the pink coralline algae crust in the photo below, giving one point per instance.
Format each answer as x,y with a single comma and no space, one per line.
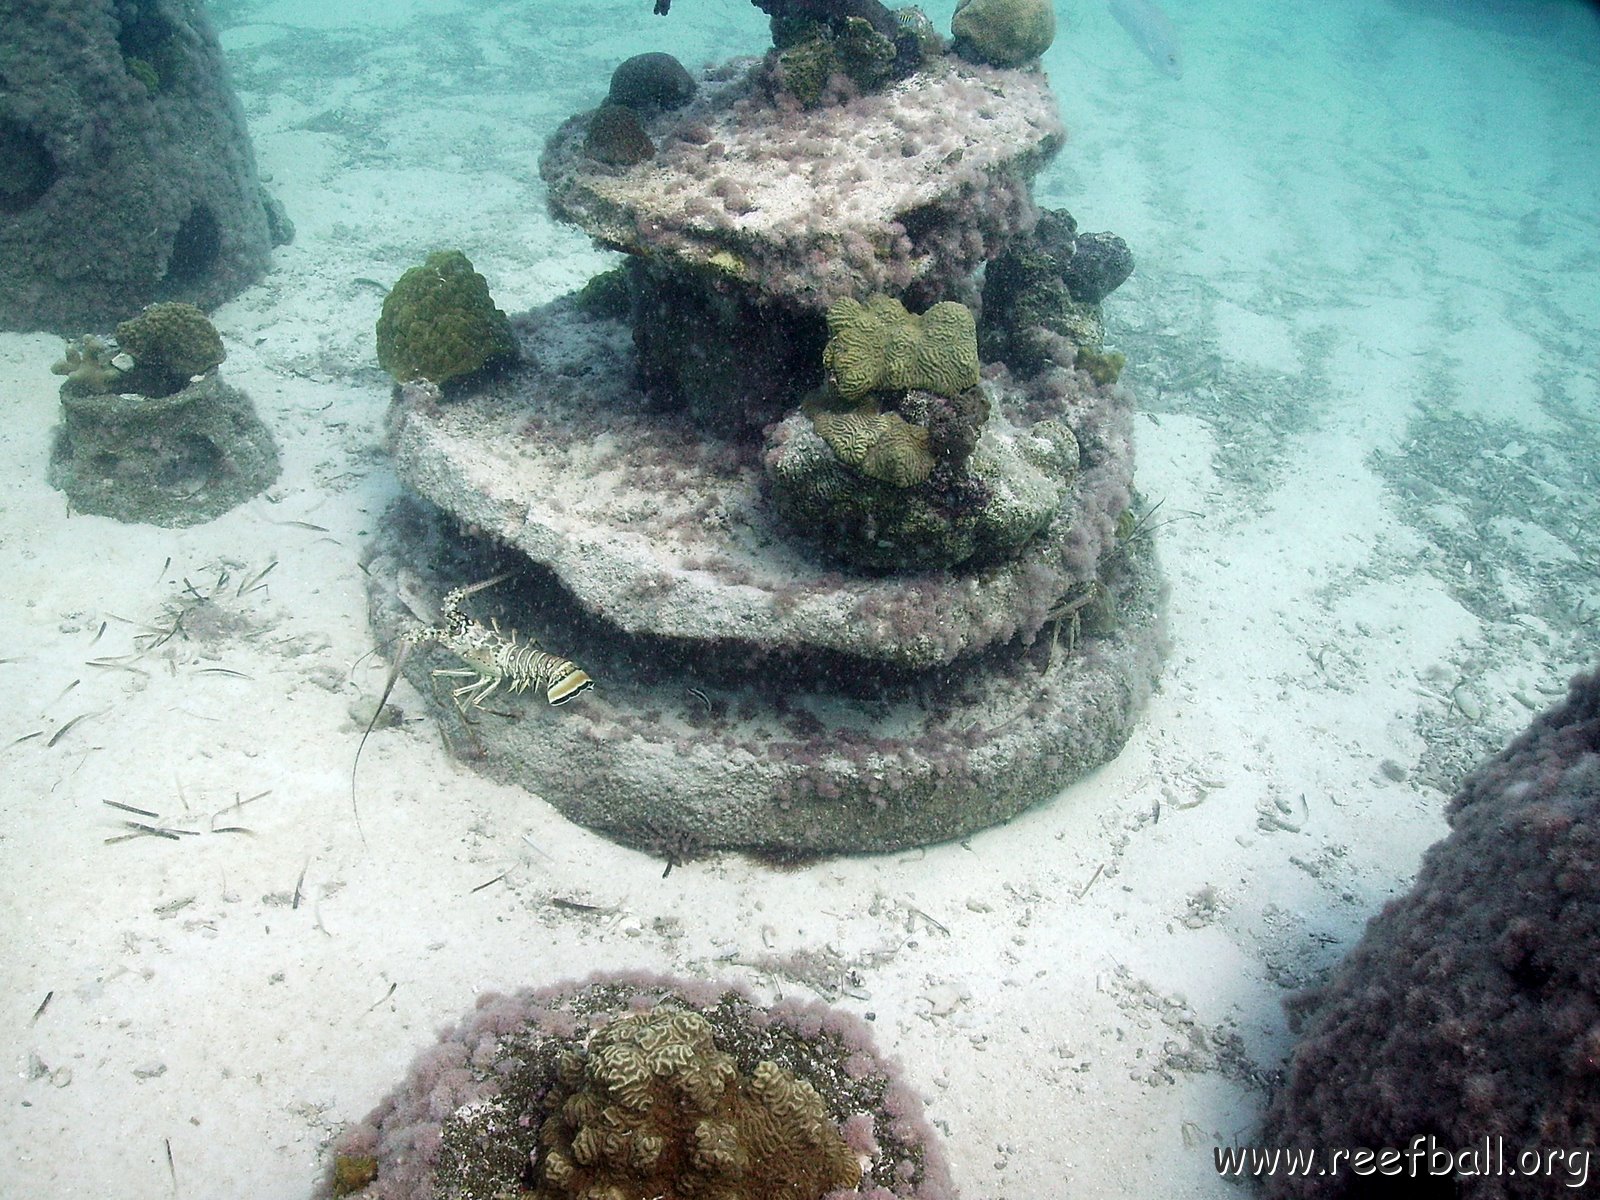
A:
908,190
465,1122
1470,1010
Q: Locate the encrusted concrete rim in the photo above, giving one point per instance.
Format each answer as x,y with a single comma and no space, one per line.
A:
663,758
740,186
660,532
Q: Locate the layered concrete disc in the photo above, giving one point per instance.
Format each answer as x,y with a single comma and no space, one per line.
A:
877,193
664,531
685,746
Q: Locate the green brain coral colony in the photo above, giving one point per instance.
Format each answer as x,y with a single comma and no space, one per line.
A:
882,446
879,346
651,1107
439,323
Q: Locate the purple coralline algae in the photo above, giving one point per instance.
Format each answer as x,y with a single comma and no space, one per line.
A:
1466,1023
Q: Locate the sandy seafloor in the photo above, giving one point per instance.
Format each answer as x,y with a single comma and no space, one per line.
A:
1363,335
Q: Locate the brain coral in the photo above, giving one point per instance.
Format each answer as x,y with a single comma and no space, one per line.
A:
880,346
882,446
439,323
633,1087
652,1107
1470,1010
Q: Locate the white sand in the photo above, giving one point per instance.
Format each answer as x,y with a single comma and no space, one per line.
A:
1342,230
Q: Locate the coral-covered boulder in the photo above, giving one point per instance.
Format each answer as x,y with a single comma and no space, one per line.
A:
439,323
1049,284
1469,1015
631,1086
1003,33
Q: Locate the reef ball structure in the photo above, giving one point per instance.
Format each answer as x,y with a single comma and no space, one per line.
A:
634,1087
1469,1013
126,171
173,459
844,582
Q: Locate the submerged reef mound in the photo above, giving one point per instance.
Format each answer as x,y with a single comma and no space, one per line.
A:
1469,1014
636,1086
841,583
126,170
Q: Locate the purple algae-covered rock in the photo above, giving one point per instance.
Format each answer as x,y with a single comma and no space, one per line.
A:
1470,1011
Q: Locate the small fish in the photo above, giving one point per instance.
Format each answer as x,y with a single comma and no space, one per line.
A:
1152,32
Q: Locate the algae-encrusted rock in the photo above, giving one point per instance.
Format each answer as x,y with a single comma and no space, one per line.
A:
439,323
983,510
880,346
1003,33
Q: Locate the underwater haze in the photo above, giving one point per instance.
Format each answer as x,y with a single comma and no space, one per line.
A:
1361,338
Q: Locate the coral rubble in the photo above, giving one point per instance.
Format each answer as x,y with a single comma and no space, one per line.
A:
1467,1020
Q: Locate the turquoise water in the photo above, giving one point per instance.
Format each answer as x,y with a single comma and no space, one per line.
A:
1362,336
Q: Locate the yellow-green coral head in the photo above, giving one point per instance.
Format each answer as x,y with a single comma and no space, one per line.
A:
879,346
439,323
882,446
174,338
